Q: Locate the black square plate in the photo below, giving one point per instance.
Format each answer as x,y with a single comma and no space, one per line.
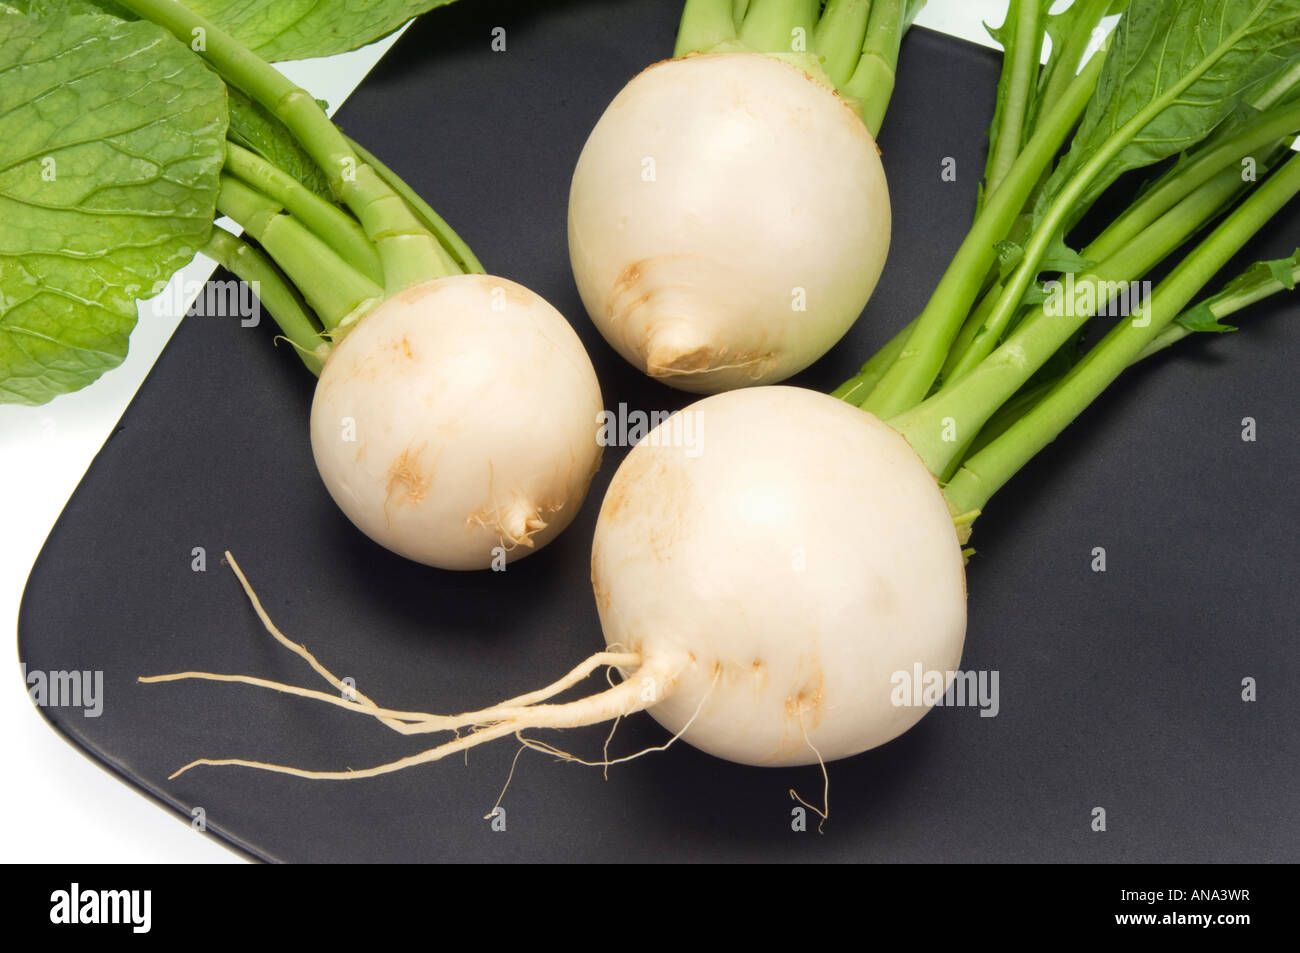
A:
1119,690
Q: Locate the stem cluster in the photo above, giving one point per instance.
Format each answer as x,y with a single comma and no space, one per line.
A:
854,43
993,368
333,259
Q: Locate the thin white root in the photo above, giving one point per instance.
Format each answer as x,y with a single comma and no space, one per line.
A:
413,722
545,748
609,677
509,777
824,812
403,722
605,750
346,690
649,682
431,723
365,708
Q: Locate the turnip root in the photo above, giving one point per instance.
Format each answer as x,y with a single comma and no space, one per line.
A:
728,220
455,424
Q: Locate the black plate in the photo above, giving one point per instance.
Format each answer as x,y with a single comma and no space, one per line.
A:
1119,690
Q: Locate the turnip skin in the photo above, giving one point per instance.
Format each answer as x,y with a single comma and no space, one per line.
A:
473,409
699,556
767,193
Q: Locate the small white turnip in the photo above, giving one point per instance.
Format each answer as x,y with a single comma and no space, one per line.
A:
456,424
728,220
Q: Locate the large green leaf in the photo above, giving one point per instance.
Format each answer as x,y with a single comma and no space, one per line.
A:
112,139
275,29
296,29
50,8
1187,65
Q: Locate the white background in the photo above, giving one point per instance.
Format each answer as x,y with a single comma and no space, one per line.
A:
55,805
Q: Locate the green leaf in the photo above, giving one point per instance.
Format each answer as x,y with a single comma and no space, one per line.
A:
1070,32
275,29
1058,257
297,29
1187,66
1259,281
252,127
111,144
49,8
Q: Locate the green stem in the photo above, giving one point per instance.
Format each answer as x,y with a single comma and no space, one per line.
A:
1063,65
1130,226
738,10
770,25
856,388
462,259
910,377
409,253
987,471
287,308
1053,220
839,37
1221,307
1265,131
705,24
1015,89
330,223
335,290
872,84
938,427
971,329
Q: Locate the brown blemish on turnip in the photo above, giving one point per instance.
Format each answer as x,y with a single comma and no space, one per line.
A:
407,484
807,706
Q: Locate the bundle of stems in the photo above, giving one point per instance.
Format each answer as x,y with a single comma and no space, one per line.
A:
994,367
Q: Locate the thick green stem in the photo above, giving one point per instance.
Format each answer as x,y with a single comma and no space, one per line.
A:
839,37
970,330
1064,65
998,424
1220,307
705,24
779,26
330,223
1023,44
409,253
910,377
939,427
287,308
1065,203
1130,226
461,259
872,84
335,290
987,471
856,388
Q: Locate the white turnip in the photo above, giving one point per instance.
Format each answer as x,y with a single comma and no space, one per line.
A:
455,425
728,220
454,421
802,557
